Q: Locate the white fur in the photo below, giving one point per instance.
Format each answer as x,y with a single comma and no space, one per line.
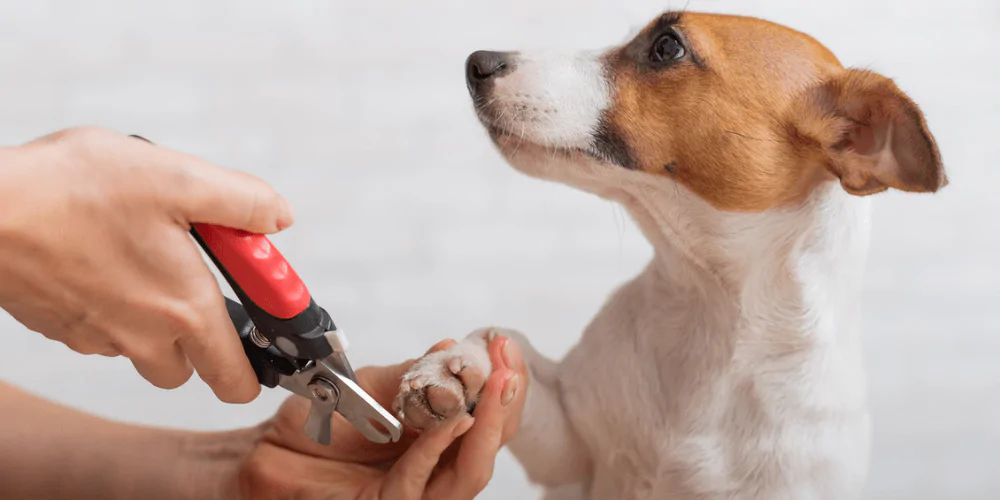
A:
730,368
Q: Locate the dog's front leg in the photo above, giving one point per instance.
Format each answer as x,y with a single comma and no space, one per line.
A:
444,384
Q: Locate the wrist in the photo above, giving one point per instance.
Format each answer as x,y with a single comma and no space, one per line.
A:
210,463
181,465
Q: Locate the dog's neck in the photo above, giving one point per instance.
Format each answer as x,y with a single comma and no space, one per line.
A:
797,271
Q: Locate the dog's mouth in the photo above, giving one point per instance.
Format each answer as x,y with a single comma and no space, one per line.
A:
513,137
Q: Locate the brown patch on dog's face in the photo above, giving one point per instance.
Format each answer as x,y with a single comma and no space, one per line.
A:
712,101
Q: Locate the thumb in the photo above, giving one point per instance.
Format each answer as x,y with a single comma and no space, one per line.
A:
203,192
407,479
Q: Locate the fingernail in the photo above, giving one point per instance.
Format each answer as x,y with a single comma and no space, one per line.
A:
463,426
509,358
502,345
287,216
509,390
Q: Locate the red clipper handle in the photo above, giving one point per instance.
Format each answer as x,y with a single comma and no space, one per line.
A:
258,268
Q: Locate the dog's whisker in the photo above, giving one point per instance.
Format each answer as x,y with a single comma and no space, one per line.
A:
484,107
521,140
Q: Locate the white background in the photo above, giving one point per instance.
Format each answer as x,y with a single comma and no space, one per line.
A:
411,228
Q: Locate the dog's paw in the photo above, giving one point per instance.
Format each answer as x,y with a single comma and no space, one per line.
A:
444,384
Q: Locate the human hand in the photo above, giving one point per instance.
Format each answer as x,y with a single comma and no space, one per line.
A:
454,462
95,253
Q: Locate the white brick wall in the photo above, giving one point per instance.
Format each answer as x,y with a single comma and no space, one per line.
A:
412,229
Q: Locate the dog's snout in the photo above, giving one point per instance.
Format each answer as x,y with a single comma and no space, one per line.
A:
483,66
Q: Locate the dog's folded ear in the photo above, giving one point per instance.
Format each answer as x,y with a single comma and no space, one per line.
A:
869,134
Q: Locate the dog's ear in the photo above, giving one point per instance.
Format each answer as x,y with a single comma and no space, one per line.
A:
869,134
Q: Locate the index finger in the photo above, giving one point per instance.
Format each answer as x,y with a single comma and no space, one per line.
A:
479,448
407,479
204,192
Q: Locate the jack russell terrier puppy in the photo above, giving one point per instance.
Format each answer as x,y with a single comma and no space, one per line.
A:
731,367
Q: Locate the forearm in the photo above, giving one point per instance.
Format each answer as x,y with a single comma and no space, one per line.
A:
51,451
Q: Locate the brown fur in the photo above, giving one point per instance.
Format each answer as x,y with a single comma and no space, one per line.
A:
751,103
869,134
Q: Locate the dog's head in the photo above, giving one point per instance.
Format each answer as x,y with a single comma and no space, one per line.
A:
736,114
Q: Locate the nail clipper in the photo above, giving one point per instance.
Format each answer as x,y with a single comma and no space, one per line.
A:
290,340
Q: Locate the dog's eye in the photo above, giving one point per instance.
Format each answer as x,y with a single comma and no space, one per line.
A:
667,48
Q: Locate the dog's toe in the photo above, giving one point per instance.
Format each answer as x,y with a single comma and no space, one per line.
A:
439,387
445,401
473,379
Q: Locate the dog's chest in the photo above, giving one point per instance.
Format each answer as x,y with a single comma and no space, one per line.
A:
677,423
637,442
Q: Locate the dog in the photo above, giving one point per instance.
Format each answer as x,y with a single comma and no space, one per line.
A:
730,367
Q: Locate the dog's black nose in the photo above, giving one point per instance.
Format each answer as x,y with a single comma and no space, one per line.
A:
482,66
